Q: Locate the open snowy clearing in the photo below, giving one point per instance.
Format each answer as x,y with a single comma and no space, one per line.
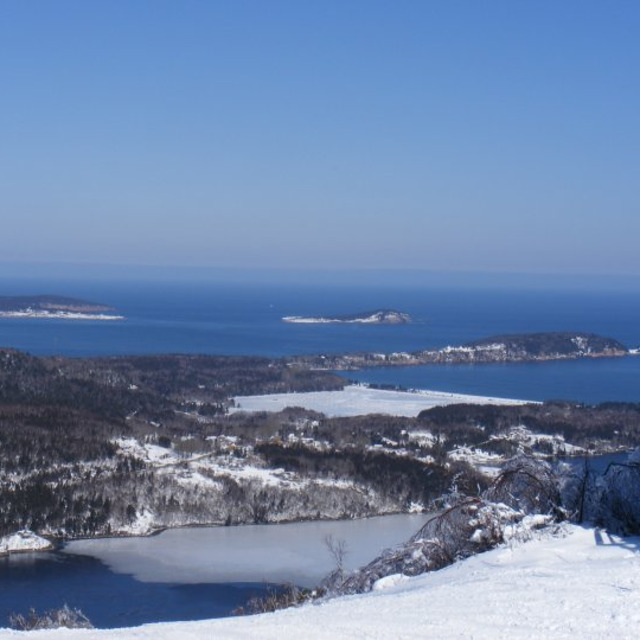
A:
357,400
583,585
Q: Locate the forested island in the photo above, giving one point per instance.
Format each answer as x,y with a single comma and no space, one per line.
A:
50,306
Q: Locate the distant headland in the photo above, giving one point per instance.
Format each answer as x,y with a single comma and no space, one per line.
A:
527,347
55,307
379,316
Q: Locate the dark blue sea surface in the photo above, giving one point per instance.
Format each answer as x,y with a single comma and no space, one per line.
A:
50,580
590,381
243,318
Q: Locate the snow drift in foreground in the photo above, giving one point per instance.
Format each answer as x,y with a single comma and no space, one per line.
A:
357,400
583,585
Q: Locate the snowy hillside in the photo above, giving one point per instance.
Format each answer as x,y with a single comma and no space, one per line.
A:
582,584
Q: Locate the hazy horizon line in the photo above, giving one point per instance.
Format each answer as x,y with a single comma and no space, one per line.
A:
370,276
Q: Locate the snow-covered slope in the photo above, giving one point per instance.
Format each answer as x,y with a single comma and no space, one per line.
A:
585,584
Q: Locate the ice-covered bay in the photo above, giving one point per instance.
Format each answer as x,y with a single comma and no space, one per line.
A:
356,400
277,553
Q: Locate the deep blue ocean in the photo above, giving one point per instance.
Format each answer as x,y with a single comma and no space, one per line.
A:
245,318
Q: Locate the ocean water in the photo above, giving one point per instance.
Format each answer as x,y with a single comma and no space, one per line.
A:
588,381
244,318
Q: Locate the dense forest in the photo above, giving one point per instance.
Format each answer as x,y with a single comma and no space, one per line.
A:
125,445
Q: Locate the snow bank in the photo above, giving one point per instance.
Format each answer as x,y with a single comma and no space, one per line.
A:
356,400
24,540
583,585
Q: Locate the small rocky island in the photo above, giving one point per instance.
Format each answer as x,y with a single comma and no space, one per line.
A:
379,316
54,307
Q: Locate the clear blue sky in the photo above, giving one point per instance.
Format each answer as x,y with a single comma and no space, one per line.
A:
447,135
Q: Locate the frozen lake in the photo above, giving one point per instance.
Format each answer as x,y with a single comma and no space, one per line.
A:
190,573
279,553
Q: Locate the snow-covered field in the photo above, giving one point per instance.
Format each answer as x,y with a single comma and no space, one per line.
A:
585,584
358,400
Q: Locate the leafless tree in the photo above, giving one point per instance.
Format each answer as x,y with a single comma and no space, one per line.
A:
337,548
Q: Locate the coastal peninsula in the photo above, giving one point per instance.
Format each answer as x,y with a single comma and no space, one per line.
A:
529,347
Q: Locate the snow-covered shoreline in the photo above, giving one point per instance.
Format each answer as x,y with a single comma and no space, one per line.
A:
23,541
582,584
355,400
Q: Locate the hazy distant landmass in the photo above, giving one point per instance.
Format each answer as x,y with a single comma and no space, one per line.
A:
51,306
379,316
